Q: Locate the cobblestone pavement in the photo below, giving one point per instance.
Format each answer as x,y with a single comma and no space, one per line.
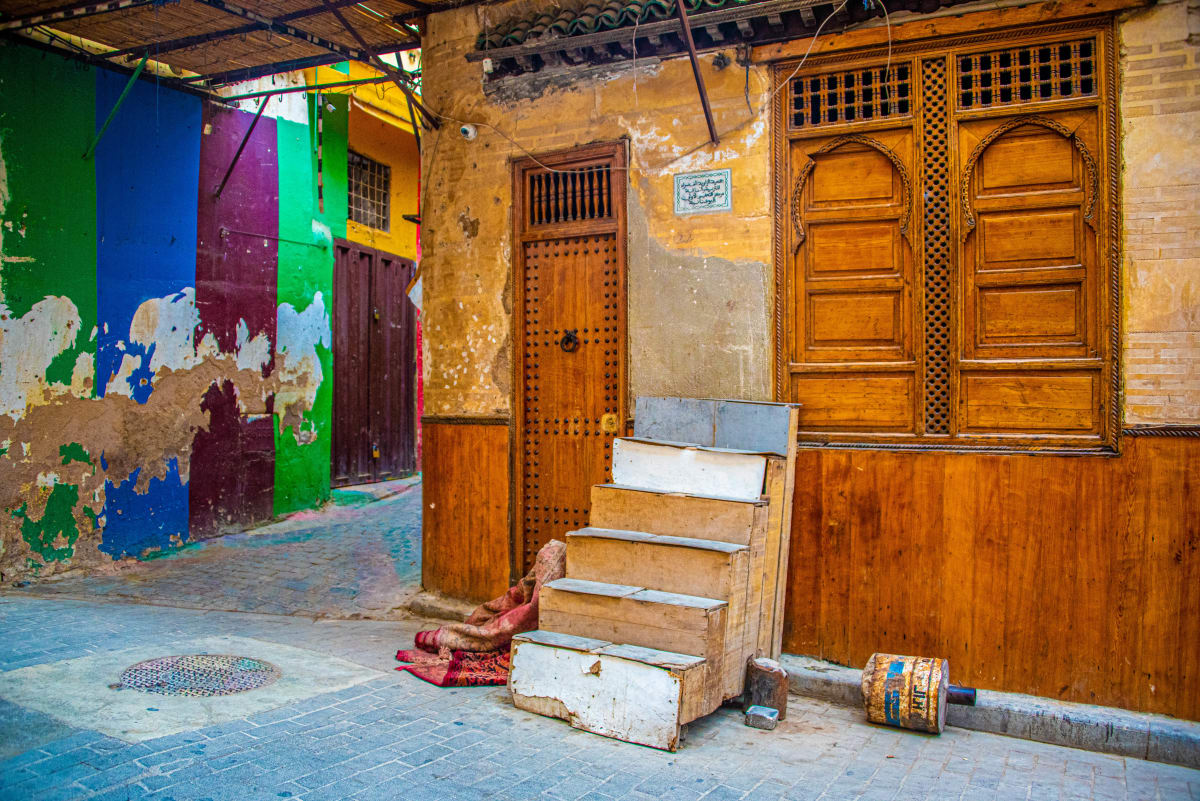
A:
392,737
357,558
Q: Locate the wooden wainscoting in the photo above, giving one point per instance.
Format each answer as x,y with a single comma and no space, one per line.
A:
1075,578
465,521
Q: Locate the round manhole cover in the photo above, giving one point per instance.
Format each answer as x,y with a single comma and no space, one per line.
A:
199,675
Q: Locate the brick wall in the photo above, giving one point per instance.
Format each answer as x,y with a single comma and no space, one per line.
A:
1160,104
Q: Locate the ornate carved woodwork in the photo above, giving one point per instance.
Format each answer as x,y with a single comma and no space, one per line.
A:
569,363
1023,74
865,94
806,170
935,166
994,325
1089,161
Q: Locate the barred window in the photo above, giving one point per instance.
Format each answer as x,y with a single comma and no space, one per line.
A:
370,191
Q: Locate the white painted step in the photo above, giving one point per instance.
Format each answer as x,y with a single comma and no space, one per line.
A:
693,469
639,695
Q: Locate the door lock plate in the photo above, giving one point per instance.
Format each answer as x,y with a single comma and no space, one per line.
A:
609,423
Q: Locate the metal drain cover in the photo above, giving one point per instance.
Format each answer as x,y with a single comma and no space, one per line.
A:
201,675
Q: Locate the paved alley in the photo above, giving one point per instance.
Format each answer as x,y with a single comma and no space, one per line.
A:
339,722
390,736
359,557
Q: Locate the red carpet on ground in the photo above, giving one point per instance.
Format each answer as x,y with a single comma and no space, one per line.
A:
476,652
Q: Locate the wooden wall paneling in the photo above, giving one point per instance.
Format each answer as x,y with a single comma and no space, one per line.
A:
465,521
1068,577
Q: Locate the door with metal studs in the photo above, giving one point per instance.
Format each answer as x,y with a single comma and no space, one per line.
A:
570,335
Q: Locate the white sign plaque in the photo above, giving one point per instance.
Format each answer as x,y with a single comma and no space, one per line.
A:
700,192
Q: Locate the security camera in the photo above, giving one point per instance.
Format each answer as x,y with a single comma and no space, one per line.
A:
468,131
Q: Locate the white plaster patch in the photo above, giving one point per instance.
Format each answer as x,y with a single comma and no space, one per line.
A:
82,697
252,353
169,324
299,334
28,345
46,481
292,107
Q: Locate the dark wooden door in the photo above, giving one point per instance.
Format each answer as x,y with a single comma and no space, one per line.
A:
374,366
570,335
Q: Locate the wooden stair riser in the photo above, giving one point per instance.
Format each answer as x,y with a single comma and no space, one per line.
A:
632,620
674,514
724,576
678,468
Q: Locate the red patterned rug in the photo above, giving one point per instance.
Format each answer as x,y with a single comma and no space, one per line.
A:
460,669
475,652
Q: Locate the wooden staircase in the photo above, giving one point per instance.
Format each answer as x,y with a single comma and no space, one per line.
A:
677,581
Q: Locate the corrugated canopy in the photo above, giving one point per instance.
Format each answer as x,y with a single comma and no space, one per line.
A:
217,39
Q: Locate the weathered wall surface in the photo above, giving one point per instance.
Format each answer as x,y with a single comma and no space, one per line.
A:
164,360
1160,107
699,286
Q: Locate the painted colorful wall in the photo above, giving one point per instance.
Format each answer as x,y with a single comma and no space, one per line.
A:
165,354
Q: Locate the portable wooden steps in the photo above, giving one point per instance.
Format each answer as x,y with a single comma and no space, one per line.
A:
640,695
674,586
668,621
678,514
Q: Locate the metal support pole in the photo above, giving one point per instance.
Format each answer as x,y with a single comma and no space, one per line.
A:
261,107
691,46
121,99
429,119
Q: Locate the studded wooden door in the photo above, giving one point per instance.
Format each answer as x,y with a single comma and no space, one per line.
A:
570,337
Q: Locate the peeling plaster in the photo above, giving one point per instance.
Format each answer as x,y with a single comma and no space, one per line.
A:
28,345
298,366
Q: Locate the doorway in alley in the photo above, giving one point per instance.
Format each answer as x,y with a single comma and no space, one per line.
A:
569,330
374,366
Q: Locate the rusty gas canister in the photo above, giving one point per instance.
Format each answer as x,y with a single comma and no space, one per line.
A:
906,691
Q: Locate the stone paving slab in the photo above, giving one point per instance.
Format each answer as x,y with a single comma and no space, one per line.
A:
394,737
358,560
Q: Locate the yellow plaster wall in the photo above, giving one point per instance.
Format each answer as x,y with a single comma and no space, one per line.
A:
1160,106
385,142
699,287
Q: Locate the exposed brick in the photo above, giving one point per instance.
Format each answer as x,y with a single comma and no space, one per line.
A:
1139,65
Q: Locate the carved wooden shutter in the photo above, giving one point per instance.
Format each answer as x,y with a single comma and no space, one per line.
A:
946,269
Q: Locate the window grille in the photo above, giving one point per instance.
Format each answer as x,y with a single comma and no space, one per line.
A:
570,195
1028,74
370,192
860,95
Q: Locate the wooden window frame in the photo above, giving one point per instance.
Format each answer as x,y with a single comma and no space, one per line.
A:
1103,27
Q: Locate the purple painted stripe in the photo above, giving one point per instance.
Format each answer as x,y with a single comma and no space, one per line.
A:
233,461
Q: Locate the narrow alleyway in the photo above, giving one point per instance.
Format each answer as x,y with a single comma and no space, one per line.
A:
358,558
340,723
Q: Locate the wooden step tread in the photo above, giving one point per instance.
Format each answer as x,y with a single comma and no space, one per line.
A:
634,653
606,590
654,539
671,494
695,447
